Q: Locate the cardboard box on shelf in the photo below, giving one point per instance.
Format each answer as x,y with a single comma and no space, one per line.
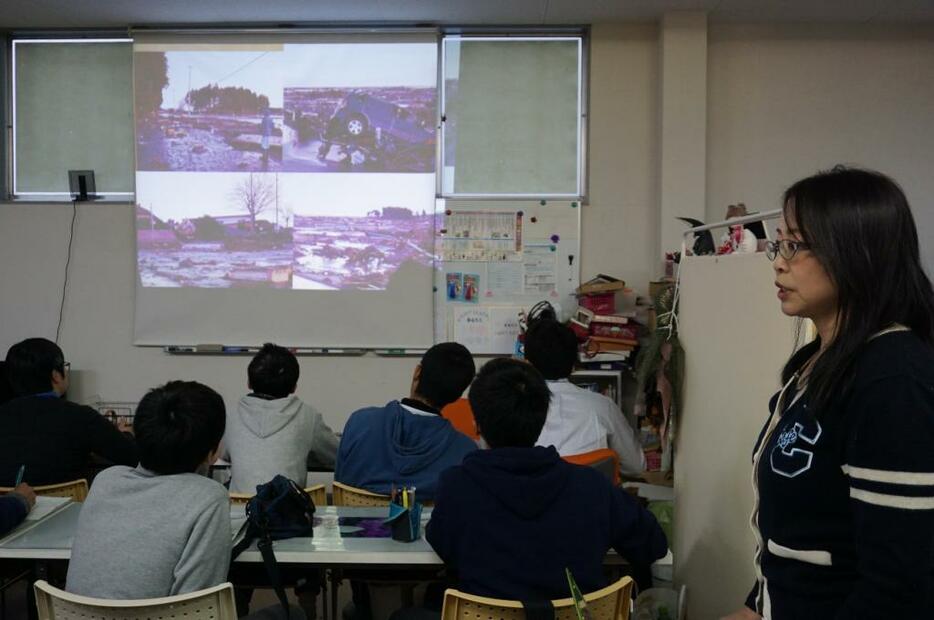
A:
602,283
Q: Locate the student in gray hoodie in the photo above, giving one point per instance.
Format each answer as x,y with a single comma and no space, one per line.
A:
273,431
159,529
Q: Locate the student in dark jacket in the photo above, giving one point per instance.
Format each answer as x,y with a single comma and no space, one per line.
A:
510,519
14,506
51,436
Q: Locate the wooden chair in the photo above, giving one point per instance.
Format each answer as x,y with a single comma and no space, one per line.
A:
346,495
215,603
317,492
460,415
609,603
77,490
604,460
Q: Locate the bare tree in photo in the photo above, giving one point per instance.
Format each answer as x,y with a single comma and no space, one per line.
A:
254,195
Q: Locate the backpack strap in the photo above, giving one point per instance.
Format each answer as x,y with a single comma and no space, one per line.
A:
272,570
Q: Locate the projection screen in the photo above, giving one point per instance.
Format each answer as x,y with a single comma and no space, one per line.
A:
285,189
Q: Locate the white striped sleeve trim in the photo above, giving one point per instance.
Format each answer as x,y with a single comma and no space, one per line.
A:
893,501
892,477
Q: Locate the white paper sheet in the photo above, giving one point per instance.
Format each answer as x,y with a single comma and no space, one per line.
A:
540,271
46,506
471,328
482,236
504,329
504,280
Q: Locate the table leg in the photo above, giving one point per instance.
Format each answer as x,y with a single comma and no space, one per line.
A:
335,584
324,594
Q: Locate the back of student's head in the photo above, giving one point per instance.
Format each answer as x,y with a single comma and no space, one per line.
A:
29,365
551,347
177,425
509,400
273,371
446,371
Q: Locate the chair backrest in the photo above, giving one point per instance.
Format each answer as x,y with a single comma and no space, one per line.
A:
604,460
317,492
460,415
216,603
77,490
609,603
345,495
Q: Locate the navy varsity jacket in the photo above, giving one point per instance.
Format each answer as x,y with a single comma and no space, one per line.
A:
844,513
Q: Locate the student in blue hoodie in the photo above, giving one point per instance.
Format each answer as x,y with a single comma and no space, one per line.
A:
407,442
510,519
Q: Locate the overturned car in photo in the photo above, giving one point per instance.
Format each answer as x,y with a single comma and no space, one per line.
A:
374,133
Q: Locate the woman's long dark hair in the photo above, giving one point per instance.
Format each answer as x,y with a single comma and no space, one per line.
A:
859,226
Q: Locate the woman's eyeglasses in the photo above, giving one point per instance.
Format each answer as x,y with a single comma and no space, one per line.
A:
786,247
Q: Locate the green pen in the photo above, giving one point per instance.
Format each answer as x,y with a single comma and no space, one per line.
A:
19,475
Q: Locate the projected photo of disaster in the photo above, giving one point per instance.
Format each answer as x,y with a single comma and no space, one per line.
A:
209,110
213,231
353,235
360,108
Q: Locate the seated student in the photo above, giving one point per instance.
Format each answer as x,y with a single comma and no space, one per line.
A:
273,431
510,519
14,506
51,436
160,529
578,420
408,442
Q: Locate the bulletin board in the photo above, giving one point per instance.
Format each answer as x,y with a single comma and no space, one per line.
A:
496,259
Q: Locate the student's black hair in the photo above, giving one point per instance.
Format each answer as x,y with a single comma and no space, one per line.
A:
859,226
551,347
509,400
177,425
29,365
447,370
273,371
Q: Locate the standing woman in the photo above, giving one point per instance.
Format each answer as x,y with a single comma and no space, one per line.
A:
844,469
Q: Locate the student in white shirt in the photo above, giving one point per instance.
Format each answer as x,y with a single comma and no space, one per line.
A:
578,420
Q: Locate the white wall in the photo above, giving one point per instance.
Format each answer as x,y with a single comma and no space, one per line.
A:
735,340
786,101
619,237
619,233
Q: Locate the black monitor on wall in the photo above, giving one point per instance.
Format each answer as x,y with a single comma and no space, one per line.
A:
81,185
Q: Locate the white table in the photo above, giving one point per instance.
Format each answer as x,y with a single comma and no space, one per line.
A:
50,539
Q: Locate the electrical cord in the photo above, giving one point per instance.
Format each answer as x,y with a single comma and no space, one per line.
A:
71,238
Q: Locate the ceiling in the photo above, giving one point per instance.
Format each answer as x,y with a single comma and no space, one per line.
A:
16,14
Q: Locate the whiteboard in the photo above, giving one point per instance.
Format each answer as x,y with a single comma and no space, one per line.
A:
498,258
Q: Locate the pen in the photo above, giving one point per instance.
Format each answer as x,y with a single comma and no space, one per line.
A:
19,475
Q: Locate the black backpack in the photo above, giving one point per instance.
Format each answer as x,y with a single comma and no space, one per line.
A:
280,509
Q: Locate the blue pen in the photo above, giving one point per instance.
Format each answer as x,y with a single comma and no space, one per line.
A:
19,475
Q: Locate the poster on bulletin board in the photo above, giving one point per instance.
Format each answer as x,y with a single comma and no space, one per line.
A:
497,259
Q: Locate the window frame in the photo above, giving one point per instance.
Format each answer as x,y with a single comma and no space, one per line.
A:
581,35
10,192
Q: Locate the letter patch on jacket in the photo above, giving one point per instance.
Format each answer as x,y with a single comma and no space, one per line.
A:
790,456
